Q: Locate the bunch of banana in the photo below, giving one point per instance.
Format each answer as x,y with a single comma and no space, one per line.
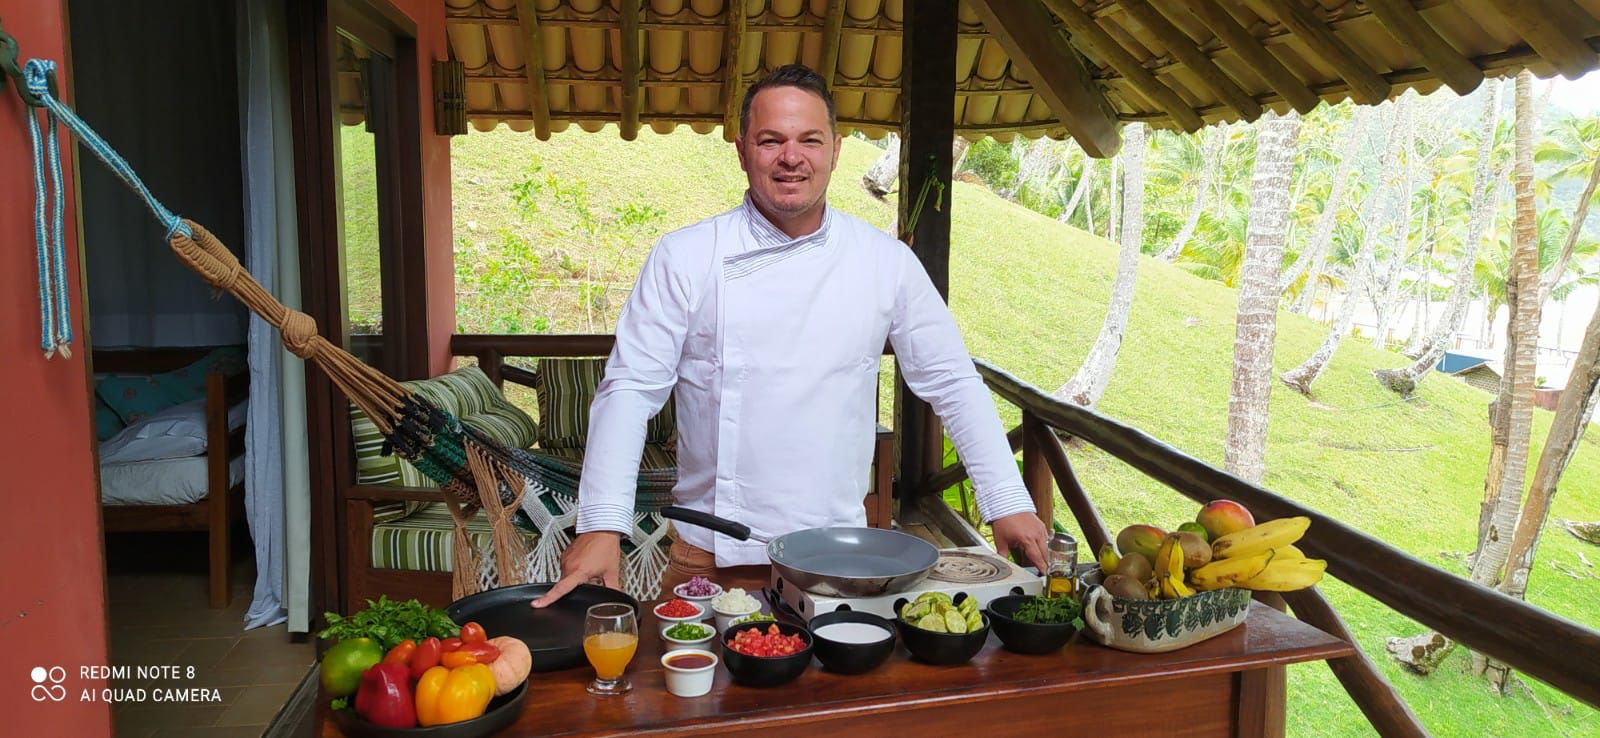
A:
936,611
1262,558
1169,570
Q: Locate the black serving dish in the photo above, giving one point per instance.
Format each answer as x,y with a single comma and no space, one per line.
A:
766,671
1030,638
941,649
852,658
503,711
554,635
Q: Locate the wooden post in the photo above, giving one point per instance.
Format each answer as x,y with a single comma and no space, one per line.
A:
1089,522
927,125
1263,692
533,67
1035,470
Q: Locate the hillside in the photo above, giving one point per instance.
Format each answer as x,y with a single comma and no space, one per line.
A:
1029,294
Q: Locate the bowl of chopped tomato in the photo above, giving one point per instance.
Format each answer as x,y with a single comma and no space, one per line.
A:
766,654
675,611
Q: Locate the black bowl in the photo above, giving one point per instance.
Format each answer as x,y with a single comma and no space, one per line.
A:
503,711
852,658
766,671
941,649
1033,638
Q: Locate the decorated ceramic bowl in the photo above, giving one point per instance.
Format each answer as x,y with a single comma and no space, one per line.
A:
1157,626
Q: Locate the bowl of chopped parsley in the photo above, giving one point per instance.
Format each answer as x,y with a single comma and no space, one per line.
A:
1034,625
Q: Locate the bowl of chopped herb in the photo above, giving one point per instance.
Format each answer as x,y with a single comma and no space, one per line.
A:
1034,625
688,636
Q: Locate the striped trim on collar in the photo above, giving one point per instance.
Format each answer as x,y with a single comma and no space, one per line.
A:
772,245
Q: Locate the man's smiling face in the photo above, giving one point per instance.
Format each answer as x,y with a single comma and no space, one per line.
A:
788,154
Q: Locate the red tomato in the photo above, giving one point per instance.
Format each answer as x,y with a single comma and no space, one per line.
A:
473,633
484,653
425,657
457,659
449,644
401,653
752,642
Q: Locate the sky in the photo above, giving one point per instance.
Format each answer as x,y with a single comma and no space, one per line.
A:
1580,96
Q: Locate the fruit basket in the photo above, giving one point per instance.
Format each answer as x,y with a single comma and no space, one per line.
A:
1157,626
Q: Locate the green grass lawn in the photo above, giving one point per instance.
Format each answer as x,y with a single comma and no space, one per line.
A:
1030,294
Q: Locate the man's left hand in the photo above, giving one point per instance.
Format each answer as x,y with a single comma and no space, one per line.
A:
1025,533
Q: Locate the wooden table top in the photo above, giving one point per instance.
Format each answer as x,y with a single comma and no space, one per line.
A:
557,703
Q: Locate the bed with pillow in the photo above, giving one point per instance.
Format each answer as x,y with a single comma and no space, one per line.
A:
171,430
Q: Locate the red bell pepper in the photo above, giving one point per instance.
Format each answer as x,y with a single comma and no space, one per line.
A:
384,698
425,657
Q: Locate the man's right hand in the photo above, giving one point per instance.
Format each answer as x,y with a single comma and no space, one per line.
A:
596,555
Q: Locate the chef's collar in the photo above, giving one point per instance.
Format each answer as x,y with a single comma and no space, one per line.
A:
768,235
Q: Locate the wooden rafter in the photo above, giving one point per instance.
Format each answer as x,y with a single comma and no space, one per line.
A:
1401,19
533,68
1366,85
733,79
1245,45
1027,34
632,69
1086,31
1183,48
832,31
1547,26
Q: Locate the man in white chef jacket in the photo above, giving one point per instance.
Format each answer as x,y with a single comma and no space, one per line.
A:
768,322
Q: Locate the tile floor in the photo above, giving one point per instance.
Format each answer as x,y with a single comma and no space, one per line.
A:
159,616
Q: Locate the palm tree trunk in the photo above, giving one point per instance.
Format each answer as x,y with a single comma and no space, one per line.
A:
1089,383
1256,326
1112,187
1084,179
880,177
1384,305
1482,209
1580,212
1211,153
1316,252
1375,208
1522,335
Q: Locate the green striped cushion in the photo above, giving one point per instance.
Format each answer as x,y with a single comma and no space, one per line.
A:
465,392
566,388
424,540
656,455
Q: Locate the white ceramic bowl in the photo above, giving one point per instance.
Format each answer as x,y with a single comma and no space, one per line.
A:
704,602
725,619
701,643
689,682
668,622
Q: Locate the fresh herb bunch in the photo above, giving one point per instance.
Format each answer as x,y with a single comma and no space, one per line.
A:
389,622
1048,610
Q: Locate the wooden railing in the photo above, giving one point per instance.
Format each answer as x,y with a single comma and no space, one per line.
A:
1542,645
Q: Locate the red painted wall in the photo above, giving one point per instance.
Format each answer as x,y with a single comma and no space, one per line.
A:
52,595
432,46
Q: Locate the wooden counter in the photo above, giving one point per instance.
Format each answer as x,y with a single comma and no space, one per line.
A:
1224,686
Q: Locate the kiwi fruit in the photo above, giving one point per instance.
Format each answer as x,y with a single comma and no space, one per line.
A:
1118,585
1196,552
1136,568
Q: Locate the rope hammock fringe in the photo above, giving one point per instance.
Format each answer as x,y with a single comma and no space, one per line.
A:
473,470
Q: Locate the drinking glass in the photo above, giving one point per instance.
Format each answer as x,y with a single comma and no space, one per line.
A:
610,636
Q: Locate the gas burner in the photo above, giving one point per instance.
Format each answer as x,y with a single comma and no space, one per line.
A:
965,567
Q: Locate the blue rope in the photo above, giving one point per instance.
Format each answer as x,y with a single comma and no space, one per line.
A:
55,307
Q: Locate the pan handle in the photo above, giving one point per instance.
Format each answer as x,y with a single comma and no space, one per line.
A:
738,531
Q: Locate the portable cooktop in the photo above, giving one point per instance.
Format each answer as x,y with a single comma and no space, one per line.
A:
976,570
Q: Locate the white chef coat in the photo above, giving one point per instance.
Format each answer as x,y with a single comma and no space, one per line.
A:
772,345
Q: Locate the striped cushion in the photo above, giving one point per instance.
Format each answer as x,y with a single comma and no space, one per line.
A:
424,540
566,388
656,455
466,393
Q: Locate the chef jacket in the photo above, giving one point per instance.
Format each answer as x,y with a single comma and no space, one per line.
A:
772,345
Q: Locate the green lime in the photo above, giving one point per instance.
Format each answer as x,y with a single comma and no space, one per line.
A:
342,665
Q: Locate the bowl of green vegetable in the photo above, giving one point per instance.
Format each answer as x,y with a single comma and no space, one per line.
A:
1034,625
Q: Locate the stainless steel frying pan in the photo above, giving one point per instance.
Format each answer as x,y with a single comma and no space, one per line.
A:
835,562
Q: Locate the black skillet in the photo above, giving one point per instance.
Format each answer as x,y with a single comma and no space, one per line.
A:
554,634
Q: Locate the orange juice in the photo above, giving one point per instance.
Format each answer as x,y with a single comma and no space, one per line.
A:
610,653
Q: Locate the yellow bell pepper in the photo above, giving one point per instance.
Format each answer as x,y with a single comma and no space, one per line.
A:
453,695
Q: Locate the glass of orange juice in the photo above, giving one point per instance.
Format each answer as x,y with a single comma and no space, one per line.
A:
610,636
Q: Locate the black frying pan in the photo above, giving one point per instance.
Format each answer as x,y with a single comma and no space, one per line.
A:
554,634
836,562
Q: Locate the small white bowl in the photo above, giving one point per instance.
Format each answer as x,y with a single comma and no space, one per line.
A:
668,622
725,619
689,682
702,643
704,602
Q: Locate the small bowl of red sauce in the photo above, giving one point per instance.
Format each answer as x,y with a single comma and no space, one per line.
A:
689,672
678,610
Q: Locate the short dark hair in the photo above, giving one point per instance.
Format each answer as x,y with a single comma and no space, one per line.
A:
790,75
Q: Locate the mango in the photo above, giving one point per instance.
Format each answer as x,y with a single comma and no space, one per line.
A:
1222,517
1141,539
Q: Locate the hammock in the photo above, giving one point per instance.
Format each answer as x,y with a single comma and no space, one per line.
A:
473,470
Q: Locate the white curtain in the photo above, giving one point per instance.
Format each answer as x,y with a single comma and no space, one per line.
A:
277,487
